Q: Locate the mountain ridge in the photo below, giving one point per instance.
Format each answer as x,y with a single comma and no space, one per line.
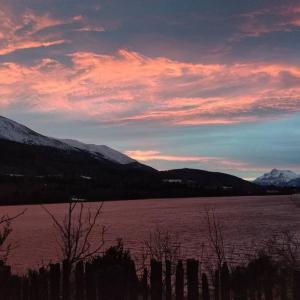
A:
279,178
38,169
16,132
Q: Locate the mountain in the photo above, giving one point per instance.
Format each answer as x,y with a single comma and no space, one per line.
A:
279,178
209,180
294,183
36,169
15,132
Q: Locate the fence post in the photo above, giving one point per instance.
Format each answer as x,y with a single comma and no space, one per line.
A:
5,274
66,272
296,285
101,285
144,285
240,280
19,288
205,287
217,285
192,266
43,284
168,280
54,283
225,282
34,286
25,288
79,281
133,281
91,290
156,280
179,283
258,281
268,286
283,284
251,281
15,288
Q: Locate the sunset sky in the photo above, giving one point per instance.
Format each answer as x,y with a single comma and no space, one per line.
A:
206,84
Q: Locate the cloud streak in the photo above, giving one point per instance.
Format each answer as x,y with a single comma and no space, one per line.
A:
18,33
204,162
281,18
148,155
129,87
199,161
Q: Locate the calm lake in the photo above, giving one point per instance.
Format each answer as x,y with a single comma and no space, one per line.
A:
245,220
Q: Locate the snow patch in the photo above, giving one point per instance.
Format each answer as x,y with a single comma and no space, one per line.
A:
102,150
15,132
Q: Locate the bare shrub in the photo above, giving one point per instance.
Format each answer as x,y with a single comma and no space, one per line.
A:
5,230
215,238
214,252
218,252
284,248
161,245
75,230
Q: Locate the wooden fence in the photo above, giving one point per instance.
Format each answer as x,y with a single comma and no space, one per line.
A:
98,280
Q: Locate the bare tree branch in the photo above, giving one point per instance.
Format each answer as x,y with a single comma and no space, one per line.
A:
161,245
75,230
5,231
215,237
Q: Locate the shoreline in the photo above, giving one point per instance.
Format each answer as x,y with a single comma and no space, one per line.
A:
144,199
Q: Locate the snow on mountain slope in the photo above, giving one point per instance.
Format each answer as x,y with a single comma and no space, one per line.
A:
13,131
276,177
102,150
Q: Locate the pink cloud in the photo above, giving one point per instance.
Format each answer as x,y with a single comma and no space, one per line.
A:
149,155
206,162
257,23
214,163
10,38
22,31
129,87
21,45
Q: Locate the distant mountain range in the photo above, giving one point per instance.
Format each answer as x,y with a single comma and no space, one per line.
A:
279,178
37,168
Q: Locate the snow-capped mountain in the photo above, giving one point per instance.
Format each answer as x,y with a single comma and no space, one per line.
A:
102,150
15,132
277,178
37,169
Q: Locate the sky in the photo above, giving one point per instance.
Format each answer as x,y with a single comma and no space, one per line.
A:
207,84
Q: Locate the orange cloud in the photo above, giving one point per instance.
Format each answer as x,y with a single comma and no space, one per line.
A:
149,155
211,162
21,45
24,31
206,162
129,87
21,32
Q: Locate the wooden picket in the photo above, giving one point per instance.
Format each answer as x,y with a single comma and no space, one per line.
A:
97,280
